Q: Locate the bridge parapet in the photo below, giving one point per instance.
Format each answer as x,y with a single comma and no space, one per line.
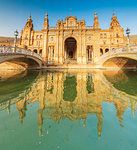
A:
17,50
125,49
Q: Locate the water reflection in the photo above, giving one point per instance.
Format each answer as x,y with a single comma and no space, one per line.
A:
74,95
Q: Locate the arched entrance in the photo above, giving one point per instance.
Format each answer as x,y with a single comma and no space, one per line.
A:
70,49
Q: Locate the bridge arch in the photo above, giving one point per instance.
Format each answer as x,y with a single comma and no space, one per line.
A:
119,57
120,61
23,57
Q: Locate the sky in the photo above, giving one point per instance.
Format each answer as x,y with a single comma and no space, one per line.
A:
14,13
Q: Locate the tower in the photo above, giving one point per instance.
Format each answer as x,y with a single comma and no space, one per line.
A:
27,34
46,22
114,22
29,24
96,22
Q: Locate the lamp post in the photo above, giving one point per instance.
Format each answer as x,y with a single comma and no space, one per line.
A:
128,32
16,34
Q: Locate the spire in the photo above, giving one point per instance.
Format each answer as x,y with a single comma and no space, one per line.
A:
95,14
46,22
30,16
96,22
70,12
46,15
113,14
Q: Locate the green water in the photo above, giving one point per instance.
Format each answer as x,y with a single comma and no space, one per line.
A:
69,110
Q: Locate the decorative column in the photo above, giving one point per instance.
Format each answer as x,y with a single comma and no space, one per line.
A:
45,48
79,48
56,49
49,54
52,53
61,49
84,53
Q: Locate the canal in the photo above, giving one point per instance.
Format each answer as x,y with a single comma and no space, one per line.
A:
68,110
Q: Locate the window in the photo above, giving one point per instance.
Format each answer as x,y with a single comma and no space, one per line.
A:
105,35
101,51
38,43
101,35
106,50
37,37
26,37
111,35
104,42
40,36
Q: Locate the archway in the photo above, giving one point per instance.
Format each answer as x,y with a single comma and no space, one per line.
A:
70,49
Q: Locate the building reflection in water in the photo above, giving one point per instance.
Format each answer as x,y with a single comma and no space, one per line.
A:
74,95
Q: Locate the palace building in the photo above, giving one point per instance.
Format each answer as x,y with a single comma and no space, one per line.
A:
71,41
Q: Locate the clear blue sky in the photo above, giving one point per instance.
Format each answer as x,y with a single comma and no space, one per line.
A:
14,13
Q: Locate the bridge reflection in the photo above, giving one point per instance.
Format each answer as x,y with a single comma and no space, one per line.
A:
14,85
75,94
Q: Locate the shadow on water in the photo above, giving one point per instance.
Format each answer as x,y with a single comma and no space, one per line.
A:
12,86
123,80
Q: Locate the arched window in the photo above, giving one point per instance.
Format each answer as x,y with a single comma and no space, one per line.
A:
106,50
101,51
37,37
105,35
35,51
40,52
26,37
40,36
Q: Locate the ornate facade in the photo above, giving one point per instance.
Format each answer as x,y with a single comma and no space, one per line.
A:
71,41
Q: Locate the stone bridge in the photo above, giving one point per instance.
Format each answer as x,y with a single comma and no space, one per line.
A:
20,56
122,57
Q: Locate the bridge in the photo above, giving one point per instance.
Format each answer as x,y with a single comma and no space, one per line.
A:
120,57
20,56
127,53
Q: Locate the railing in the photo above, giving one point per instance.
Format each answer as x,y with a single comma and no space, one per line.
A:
17,50
126,49
73,27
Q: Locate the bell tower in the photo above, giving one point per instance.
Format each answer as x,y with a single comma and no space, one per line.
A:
46,22
96,22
